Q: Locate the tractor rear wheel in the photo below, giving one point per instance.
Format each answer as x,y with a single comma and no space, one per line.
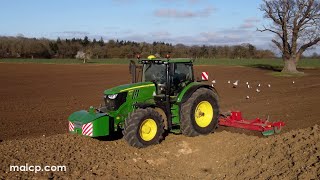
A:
143,127
200,113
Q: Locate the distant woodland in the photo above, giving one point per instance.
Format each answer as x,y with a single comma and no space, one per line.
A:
22,47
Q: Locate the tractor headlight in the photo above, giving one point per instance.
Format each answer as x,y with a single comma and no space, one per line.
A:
114,101
112,96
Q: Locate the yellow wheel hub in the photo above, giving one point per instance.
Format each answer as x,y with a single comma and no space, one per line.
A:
203,114
148,129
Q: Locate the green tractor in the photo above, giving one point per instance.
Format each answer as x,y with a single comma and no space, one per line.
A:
165,97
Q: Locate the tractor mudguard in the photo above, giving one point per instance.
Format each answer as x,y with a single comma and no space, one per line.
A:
190,89
90,123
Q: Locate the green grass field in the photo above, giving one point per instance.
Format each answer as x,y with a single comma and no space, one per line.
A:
257,63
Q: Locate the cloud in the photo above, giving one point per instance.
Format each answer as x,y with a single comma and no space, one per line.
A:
73,33
249,23
253,20
223,38
112,27
246,26
135,37
160,34
175,13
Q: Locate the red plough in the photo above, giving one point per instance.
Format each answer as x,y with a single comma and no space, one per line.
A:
235,119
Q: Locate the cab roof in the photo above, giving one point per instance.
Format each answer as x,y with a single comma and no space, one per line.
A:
163,60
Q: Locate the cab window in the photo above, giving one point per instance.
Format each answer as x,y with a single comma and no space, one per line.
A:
182,73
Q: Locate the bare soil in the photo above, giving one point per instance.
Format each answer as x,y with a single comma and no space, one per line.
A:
36,99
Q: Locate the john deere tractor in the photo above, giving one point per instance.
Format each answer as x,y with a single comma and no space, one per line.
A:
165,97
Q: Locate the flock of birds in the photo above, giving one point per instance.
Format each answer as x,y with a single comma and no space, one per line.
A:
236,83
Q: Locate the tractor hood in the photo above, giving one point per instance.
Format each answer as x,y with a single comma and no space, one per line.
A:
128,87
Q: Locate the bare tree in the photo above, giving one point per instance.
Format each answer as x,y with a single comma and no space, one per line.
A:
296,25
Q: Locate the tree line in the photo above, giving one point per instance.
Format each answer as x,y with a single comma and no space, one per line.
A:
22,47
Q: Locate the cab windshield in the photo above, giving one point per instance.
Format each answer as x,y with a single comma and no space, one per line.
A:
154,73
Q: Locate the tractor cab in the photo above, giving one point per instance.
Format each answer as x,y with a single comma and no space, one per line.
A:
169,75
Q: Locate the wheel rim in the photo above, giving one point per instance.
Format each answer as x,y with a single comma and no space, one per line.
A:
148,129
203,114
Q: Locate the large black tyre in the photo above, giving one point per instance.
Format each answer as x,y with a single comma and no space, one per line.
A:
143,127
193,121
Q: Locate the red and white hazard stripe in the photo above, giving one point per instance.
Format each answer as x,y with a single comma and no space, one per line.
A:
204,76
71,126
87,129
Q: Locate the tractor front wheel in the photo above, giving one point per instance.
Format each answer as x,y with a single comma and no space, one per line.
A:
199,114
143,127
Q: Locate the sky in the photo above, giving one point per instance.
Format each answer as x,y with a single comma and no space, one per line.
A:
191,22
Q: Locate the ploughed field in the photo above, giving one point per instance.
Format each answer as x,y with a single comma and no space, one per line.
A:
36,99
